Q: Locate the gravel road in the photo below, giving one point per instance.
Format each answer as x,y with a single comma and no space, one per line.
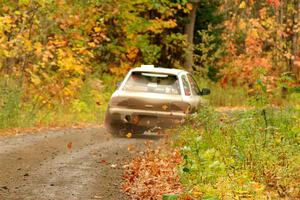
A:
65,164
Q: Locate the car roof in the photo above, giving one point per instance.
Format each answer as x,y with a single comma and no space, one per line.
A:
159,70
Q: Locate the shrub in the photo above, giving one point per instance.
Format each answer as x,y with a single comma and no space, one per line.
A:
250,154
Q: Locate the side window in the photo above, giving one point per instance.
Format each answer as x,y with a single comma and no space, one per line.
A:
195,88
186,86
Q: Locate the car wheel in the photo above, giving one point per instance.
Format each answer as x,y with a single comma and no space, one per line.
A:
124,129
118,131
136,130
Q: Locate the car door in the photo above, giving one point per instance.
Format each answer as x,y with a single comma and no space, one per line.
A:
195,96
188,94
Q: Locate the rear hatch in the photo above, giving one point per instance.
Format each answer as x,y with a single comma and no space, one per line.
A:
152,102
152,92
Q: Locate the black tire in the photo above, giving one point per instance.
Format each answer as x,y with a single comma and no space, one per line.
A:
117,130
136,130
121,130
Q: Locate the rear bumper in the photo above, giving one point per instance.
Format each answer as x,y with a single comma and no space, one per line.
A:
126,111
144,118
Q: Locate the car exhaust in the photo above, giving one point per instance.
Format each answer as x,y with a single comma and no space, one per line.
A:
132,120
127,118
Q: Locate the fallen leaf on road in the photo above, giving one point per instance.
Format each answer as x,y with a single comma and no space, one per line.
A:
125,166
148,143
131,147
69,145
103,162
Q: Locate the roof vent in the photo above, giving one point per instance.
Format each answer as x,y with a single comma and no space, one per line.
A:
147,66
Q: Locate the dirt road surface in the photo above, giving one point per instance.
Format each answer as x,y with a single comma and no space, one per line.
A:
66,164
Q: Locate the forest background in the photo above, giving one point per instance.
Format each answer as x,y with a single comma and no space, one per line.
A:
60,60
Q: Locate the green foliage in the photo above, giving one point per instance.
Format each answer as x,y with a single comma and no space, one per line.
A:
207,54
142,32
241,154
89,105
224,96
209,44
170,197
10,98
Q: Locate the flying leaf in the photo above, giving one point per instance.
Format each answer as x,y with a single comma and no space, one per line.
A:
113,165
69,145
129,135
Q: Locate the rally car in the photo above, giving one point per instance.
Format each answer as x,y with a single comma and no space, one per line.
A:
150,97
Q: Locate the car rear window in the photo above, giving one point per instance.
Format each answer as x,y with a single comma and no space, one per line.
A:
152,82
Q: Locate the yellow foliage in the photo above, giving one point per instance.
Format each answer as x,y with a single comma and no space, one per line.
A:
242,24
189,6
38,48
97,29
67,62
132,53
27,44
243,5
92,44
35,79
46,56
158,25
254,34
67,91
119,70
6,20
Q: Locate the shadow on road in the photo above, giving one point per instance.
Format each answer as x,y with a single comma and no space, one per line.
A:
148,136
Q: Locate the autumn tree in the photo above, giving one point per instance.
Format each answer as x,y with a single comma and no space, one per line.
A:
259,35
189,31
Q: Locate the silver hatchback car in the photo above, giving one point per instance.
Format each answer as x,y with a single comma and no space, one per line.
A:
151,97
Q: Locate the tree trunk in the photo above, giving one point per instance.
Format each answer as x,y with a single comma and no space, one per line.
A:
189,32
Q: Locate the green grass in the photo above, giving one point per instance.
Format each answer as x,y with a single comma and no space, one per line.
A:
251,154
236,96
17,110
224,96
10,100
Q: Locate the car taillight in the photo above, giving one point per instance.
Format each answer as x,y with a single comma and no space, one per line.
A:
118,101
135,119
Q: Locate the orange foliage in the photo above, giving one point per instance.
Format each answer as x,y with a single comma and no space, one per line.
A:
247,62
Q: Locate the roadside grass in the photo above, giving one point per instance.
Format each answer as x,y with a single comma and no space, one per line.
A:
251,154
226,97
17,110
241,96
